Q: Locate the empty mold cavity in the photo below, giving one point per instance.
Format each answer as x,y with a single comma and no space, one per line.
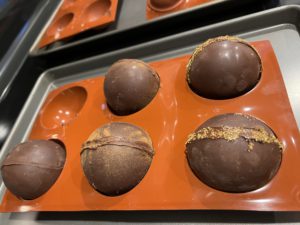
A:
96,10
61,23
64,107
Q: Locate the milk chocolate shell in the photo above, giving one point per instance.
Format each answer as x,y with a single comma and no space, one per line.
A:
223,67
116,157
129,86
234,153
32,167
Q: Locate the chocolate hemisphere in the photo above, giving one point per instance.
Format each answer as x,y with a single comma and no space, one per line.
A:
129,86
222,68
32,167
230,163
116,157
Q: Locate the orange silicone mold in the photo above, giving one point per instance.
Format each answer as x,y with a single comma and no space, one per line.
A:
76,16
72,112
156,8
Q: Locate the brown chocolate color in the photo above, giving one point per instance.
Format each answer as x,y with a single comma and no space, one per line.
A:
164,5
116,157
129,86
223,68
32,167
231,166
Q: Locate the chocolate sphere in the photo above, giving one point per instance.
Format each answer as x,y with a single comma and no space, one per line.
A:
129,86
224,67
32,167
116,157
163,5
234,153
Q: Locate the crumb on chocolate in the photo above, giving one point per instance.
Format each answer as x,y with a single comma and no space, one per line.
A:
259,135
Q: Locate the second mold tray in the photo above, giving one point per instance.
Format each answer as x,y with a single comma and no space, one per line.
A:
76,16
156,8
135,20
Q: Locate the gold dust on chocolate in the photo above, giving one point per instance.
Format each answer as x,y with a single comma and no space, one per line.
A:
232,133
116,157
234,153
223,67
200,48
118,141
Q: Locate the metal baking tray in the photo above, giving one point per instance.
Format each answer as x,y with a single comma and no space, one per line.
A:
279,25
131,22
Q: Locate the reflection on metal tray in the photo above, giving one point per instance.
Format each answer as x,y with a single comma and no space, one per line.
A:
279,25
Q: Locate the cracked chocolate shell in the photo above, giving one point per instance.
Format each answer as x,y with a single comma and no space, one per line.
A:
223,67
234,153
116,157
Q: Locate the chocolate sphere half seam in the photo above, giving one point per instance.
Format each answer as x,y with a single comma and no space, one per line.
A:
32,168
33,165
120,141
234,153
116,157
228,133
200,47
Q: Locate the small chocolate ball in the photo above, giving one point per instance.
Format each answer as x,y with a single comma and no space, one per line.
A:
224,67
234,153
129,86
163,5
32,167
116,157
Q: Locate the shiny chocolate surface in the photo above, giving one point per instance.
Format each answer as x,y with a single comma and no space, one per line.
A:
234,164
32,167
129,86
224,69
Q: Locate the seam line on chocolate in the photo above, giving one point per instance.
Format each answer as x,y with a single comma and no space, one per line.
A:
34,165
228,133
119,141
